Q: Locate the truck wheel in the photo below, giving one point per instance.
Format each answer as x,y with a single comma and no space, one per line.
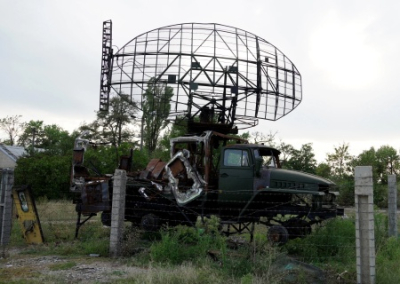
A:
297,228
150,223
106,218
278,235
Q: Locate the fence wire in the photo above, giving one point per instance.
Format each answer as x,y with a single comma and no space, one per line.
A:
233,234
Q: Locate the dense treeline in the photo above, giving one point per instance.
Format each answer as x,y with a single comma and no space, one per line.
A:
47,164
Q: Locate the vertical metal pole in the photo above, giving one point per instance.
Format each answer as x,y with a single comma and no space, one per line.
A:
392,205
117,212
365,236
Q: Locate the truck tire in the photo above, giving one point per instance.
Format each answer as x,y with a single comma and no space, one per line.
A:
150,222
278,235
297,228
106,218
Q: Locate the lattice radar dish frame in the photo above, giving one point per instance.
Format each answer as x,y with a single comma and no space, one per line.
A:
227,77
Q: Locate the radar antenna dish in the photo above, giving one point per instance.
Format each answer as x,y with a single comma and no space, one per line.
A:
223,78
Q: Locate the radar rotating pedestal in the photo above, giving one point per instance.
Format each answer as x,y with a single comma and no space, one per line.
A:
218,77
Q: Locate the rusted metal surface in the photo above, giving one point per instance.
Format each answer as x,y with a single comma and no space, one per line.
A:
95,197
158,170
144,174
176,166
152,164
125,162
78,156
204,146
79,173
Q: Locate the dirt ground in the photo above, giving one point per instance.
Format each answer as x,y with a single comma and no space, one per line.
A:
55,269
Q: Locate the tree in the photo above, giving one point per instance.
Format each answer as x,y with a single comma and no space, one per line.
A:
388,158
259,137
31,136
163,149
384,161
50,138
368,158
340,161
323,170
111,127
13,127
57,140
303,159
156,107
286,153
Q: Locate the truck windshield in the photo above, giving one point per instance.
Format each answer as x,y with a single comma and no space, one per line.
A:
267,156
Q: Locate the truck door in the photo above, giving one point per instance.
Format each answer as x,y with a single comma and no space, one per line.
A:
236,177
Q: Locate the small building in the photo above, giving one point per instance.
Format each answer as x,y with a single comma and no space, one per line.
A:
9,155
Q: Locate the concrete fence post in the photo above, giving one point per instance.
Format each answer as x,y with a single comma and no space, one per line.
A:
365,235
7,182
117,212
392,205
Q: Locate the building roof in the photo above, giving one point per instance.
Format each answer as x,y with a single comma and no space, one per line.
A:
13,152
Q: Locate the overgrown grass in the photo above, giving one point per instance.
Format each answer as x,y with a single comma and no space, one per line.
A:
250,262
333,242
58,222
330,247
62,266
202,255
387,262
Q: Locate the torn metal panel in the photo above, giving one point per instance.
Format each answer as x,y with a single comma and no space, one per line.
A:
27,215
177,164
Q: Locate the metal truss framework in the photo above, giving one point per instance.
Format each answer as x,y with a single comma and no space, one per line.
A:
227,74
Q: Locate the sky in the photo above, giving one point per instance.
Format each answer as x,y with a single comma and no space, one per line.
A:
347,52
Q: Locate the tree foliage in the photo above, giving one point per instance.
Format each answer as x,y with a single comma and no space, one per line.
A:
33,130
13,127
47,174
302,159
384,161
163,149
156,107
112,126
50,138
48,170
101,159
340,161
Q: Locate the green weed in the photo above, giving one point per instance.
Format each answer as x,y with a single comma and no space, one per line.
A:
62,266
387,261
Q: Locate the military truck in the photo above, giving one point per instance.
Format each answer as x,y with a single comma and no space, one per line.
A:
212,174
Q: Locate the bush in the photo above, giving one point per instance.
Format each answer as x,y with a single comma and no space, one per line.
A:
335,241
48,175
184,244
346,192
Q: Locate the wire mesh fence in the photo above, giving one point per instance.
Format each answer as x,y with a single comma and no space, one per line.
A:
229,235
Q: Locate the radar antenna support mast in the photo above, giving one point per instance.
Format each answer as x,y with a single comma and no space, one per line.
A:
106,66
